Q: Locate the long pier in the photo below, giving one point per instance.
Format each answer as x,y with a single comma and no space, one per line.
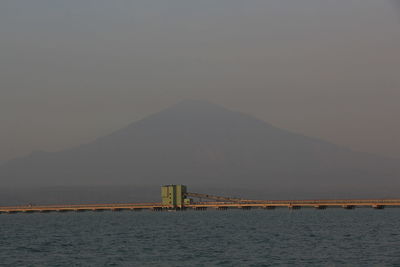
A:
246,204
176,197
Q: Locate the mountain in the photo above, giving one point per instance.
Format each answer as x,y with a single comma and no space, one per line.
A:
205,146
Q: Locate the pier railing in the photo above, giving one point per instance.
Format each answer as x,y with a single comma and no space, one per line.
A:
243,204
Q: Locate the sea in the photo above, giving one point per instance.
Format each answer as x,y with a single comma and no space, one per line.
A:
280,237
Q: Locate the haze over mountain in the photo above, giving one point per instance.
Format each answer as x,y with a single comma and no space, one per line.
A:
207,146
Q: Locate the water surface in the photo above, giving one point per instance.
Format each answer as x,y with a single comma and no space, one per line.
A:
307,237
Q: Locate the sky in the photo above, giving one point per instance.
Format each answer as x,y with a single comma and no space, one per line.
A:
71,71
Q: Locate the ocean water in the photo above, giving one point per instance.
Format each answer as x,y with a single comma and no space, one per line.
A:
306,237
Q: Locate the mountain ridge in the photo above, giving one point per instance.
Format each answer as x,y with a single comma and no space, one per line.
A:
200,143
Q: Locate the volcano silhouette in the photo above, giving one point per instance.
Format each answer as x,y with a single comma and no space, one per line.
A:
199,143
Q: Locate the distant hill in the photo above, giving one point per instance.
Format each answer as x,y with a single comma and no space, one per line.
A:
207,146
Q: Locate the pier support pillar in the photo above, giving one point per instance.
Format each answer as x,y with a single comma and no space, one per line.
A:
12,211
157,209
99,210
63,210
269,207
116,209
46,211
81,210
137,209
28,211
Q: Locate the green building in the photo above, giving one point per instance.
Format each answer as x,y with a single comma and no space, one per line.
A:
174,195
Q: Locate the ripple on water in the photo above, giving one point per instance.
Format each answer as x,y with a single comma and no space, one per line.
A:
228,238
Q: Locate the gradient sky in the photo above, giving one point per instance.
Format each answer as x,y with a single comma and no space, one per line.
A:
71,71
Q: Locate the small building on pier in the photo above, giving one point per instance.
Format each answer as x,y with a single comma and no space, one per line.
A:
174,195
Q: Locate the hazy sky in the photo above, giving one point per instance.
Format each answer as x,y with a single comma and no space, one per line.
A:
71,71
